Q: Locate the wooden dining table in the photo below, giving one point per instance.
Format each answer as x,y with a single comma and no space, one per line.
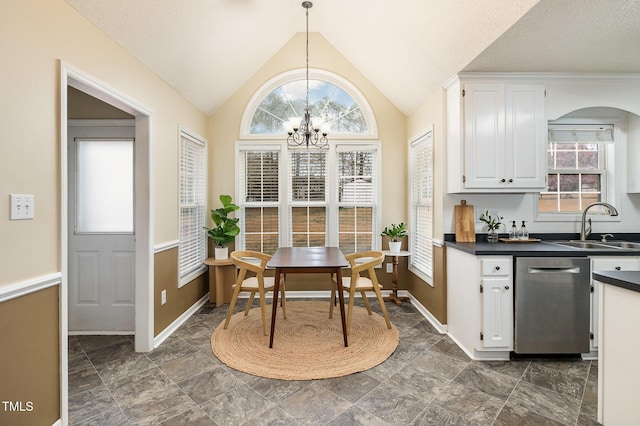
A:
307,260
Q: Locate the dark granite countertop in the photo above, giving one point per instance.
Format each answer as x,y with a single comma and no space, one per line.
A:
625,279
542,248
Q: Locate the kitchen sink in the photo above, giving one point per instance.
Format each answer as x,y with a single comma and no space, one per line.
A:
599,245
621,244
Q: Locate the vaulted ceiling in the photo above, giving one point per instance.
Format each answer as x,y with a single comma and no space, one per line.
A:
207,49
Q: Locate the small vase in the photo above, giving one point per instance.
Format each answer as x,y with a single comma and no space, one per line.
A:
394,246
222,253
492,236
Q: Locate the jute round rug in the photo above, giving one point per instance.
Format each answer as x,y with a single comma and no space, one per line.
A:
307,345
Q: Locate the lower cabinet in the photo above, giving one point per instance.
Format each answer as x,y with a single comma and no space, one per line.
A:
497,308
480,304
606,263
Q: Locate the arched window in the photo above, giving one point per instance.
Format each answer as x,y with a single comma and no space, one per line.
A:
305,197
337,102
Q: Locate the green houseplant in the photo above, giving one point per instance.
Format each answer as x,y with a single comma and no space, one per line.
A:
395,232
493,224
225,228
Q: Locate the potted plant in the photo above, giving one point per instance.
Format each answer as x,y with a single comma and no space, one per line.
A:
226,228
395,234
493,224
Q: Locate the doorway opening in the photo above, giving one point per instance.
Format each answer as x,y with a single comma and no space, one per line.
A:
72,79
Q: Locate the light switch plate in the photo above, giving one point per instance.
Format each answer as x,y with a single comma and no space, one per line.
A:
163,297
389,268
21,206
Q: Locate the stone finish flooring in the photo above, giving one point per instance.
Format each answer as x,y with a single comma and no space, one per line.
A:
428,380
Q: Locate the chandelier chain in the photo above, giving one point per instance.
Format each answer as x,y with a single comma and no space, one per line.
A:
303,132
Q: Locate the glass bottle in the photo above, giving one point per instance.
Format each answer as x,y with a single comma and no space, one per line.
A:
524,232
513,232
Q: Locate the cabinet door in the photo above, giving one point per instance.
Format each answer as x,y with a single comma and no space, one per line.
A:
497,313
606,264
526,136
484,136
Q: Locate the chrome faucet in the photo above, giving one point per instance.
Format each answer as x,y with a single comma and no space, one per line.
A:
584,233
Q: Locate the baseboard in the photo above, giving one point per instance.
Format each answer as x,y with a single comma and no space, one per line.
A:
57,423
101,333
442,328
164,334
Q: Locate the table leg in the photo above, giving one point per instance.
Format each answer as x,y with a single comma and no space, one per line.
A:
394,285
341,297
274,305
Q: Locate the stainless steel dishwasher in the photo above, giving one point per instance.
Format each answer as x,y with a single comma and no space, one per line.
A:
552,305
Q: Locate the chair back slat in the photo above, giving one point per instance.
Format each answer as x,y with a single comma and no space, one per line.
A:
239,257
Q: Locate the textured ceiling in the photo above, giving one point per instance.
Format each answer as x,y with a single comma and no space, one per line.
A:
207,49
593,36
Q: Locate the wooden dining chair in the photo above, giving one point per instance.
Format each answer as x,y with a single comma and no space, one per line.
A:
256,262
358,283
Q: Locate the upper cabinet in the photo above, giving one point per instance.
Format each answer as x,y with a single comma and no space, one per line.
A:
496,137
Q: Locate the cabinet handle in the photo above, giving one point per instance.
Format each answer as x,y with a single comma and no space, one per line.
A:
618,268
510,180
506,287
502,180
497,268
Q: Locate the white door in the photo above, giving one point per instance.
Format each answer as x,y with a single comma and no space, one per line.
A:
101,233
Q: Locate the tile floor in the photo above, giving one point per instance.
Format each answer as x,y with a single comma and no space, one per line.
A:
427,381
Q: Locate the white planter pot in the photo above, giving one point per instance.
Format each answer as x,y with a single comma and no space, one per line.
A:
394,246
222,253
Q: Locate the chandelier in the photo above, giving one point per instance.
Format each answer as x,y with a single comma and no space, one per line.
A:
306,131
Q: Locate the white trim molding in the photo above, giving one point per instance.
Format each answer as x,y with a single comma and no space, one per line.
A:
23,288
442,328
158,248
314,74
171,328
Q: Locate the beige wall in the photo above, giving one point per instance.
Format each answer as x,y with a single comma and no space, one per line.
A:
225,123
431,115
34,36
225,130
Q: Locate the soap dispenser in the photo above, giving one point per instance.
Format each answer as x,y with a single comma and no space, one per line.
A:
524,232
513,232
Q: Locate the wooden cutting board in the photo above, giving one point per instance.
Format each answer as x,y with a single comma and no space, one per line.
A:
465,223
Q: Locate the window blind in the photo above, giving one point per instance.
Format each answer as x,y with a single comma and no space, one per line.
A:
308,198
192,194
356,200
259,198
421,193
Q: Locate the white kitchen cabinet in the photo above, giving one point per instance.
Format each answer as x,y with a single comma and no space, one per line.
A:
606,263
480,304
496,137
497,303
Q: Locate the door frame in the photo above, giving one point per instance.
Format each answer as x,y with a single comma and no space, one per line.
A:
143,217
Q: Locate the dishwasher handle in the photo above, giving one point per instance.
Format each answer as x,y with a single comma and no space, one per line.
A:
554,269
